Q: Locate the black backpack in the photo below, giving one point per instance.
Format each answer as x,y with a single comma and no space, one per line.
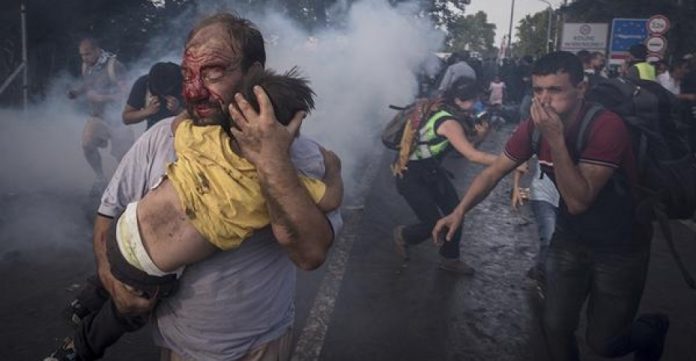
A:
666,164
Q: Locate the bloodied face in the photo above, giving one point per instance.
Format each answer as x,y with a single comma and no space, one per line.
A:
212,75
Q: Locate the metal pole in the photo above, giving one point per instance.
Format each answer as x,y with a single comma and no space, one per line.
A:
512,15
25,77
548,25
548,31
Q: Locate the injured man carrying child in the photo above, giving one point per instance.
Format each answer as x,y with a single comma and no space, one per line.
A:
210,199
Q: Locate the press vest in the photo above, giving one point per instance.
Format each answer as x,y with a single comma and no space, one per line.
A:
430,144
645,71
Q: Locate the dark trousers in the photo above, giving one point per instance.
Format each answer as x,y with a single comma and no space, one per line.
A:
429,192
612,278
101,329
104,325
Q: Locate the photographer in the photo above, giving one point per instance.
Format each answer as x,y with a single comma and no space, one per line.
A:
155,96
422,181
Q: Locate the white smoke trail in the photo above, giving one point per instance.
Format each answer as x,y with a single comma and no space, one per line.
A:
357,70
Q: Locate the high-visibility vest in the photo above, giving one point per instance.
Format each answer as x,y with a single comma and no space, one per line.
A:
430,144
645,71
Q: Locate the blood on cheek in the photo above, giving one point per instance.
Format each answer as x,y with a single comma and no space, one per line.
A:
196,90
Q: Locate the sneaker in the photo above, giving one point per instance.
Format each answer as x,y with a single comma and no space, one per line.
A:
66,352
75,312
456,266
400,243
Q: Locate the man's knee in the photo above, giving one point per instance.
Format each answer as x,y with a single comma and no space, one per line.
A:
94,135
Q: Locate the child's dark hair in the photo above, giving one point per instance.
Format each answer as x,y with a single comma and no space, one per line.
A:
289,93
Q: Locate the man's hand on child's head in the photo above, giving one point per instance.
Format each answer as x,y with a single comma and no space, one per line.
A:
261,138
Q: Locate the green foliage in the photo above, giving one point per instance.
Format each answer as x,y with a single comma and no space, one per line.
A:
471,32
532,33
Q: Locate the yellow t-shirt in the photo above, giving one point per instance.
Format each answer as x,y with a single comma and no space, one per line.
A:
219,190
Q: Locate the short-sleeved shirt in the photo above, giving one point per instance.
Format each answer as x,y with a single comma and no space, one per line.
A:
137,99
97,78
608,144
233,301
542,188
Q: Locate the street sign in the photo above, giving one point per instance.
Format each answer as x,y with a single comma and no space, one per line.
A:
658,24
584,36
656,44
653,57
624,34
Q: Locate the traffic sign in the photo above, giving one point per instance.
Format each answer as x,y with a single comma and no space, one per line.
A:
624,34
656,44
653,57
627,32
658,24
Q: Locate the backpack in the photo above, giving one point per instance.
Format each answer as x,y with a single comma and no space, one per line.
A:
415,113
666,163
110,69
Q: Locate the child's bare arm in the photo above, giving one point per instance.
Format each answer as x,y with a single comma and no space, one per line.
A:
332,179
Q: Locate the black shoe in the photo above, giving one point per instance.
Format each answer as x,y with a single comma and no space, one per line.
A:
75,312
66,352
455,265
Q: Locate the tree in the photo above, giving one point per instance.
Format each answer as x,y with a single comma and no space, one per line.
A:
126,27
471,32
532,32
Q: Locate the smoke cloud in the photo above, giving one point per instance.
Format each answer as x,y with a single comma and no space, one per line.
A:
356,70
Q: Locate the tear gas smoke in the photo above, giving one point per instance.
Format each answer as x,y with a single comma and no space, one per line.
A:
356,70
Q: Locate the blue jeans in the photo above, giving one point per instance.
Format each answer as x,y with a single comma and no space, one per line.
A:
612,278
545,215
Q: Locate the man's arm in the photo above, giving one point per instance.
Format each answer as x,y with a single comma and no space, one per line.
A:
478,191
517,195
126,301
132,115
297,222
577,184
454,132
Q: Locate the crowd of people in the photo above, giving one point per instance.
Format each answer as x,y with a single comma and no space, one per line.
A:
222,167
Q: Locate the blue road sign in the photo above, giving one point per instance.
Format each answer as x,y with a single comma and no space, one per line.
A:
626,32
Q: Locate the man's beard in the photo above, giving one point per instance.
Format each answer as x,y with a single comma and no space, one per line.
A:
221,116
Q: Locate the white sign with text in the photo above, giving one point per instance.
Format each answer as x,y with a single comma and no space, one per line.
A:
585,36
